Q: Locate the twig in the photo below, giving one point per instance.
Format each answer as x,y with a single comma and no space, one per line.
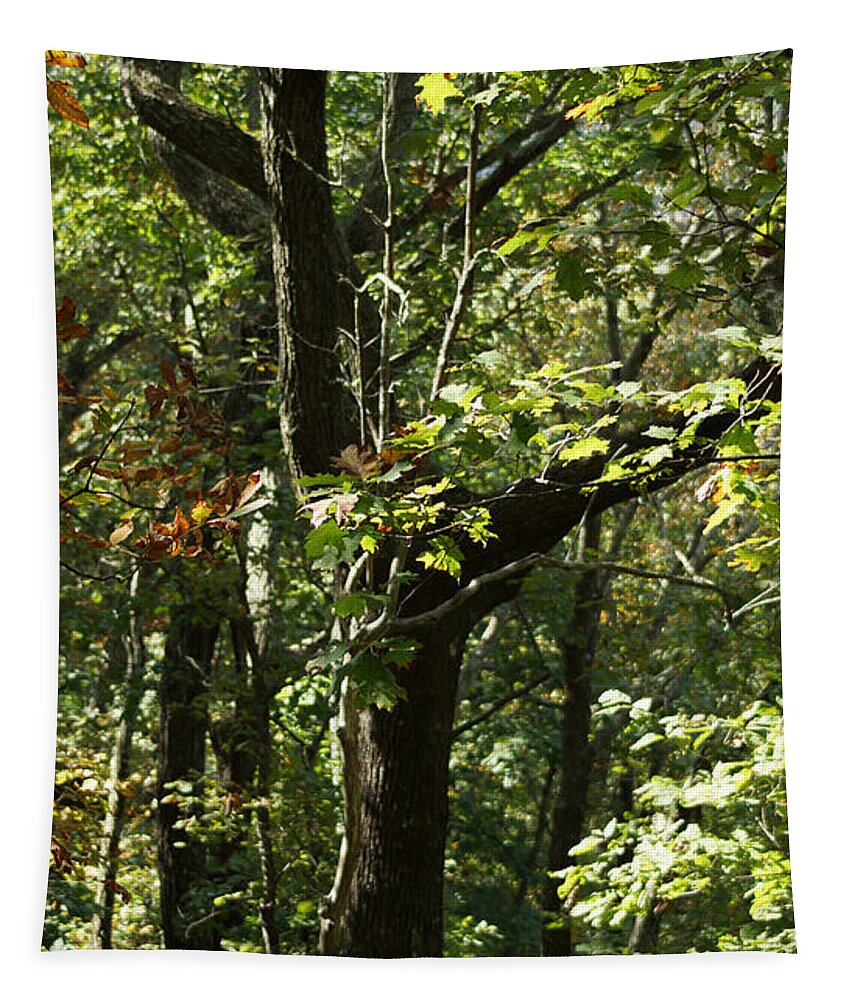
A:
465,279
499,704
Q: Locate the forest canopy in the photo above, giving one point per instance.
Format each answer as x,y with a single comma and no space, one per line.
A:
419,509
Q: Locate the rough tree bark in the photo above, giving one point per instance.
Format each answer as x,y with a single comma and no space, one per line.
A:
577,649
181,750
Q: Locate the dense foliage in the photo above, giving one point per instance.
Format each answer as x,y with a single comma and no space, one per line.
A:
548,419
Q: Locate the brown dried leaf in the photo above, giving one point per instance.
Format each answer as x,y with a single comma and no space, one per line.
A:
72,331
169,445
343,505
360,462
167,370
222,488
706,488
155,396
233,528
65,103
253,484
65,313
124,530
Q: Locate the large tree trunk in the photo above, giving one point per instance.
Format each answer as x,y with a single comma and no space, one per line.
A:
388,900
181,752
313,420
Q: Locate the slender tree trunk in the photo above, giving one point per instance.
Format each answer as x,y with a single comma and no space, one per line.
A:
578,648
133,652
183,726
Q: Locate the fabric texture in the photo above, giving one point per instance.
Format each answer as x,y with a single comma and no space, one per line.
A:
419,509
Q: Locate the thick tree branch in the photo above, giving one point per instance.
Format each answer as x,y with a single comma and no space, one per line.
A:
212,140
388,626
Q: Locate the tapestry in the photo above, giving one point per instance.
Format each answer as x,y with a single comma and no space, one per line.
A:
419,509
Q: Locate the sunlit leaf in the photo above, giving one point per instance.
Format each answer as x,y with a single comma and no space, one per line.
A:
65,103
124,530
58,57
435,90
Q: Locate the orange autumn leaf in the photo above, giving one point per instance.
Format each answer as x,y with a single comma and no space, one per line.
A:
65,103
181,523
59,57
579,110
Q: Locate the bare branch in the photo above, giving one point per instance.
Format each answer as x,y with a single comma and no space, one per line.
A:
500,703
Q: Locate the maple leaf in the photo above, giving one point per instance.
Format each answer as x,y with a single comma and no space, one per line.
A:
343,505
435,89
360,462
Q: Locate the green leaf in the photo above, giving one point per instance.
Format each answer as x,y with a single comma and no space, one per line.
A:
647,740
442,555
656,455
735,335
373,683
519,239
628,389
351,605
663,433
583,449
327,534
369,543
399,652
573,277
684,275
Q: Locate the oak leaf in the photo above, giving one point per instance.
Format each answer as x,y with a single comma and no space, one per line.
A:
360,462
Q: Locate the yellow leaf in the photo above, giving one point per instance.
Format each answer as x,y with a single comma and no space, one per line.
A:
579,110
58,57
435,88
121,532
